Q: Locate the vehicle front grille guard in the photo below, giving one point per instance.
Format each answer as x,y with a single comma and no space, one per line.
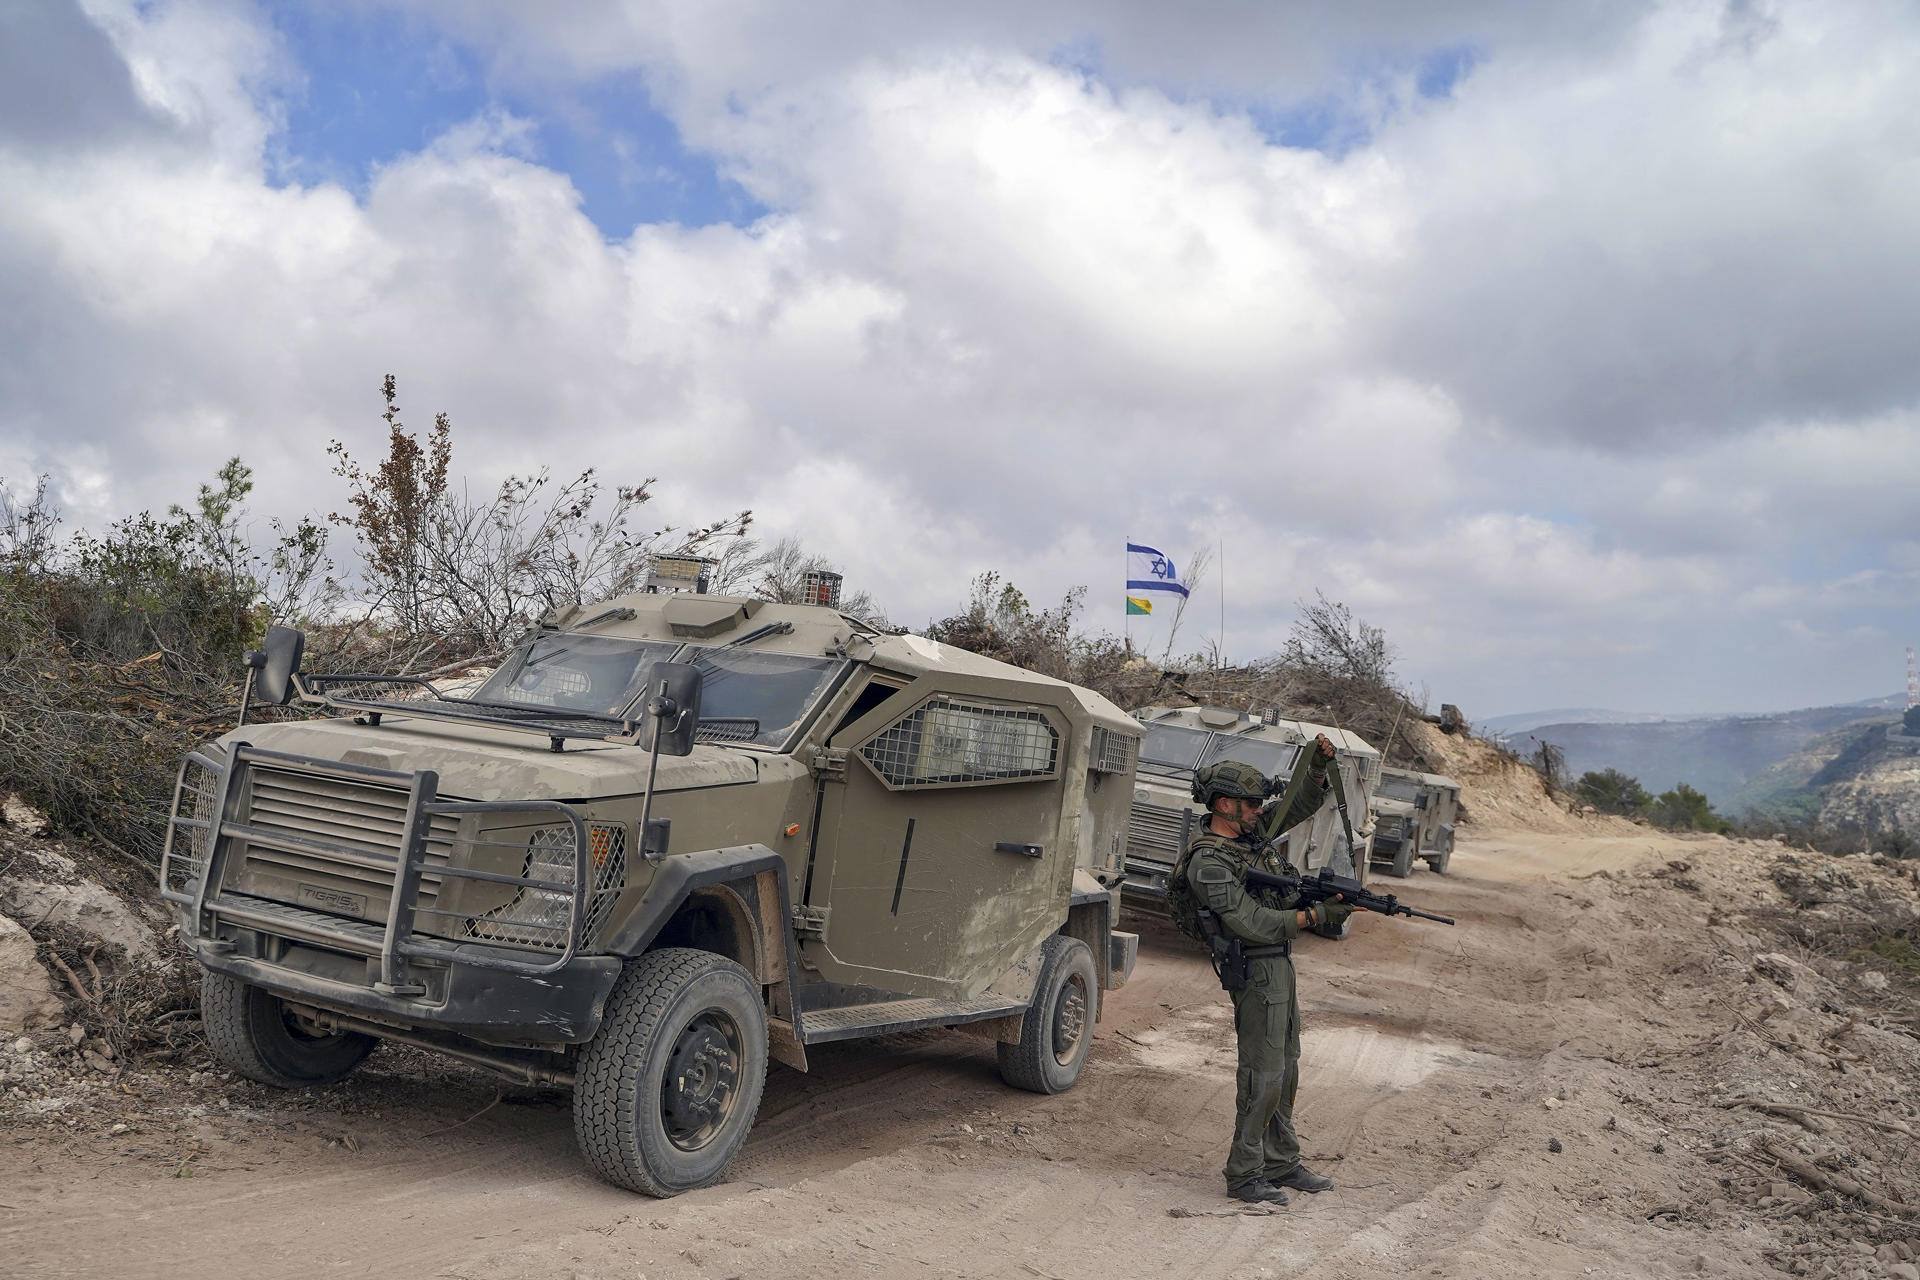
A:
207,822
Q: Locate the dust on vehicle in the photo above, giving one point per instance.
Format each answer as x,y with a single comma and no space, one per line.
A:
842,833
1165,817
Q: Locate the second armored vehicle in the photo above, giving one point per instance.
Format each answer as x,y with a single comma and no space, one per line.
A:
1182,739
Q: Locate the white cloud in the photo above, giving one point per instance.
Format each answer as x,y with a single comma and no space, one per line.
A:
1587,381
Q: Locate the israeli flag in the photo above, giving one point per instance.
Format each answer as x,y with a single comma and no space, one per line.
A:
1148,570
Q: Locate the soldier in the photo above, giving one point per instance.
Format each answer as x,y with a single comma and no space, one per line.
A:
1209,901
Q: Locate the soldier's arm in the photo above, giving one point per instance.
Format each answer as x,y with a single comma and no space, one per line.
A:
1306,801
1217,887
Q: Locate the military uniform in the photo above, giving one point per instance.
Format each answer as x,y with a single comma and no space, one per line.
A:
1266,1013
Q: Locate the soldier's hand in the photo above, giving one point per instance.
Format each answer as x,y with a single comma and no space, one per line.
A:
1325,745
1332,913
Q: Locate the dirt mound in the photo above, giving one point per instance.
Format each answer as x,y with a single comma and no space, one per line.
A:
1498,791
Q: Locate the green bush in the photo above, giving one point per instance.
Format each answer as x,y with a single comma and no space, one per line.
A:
1611,791
1684,809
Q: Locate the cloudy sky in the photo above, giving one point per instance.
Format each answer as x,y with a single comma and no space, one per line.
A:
1576,345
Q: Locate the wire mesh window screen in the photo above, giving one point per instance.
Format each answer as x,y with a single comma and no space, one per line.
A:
1112,752
948,741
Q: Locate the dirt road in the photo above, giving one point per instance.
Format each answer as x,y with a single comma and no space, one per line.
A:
1529,1094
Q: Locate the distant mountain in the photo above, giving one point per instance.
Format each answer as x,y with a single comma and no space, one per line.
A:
1720,756
1520,722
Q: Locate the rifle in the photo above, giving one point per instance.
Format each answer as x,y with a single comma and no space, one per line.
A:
1314,889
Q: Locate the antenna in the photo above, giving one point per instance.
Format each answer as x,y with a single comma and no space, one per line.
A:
1913,681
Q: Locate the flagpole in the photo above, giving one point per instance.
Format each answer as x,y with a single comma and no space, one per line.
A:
1126,610
1223,603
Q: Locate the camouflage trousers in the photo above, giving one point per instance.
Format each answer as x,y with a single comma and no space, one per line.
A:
1266,1022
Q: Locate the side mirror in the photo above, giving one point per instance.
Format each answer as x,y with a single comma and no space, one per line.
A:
673,707
282,650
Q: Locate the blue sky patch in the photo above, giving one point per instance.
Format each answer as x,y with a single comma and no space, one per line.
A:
1344,119
380,85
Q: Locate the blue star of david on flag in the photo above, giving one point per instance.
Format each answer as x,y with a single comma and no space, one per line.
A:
1150,570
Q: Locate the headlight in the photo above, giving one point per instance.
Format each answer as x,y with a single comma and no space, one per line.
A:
540,916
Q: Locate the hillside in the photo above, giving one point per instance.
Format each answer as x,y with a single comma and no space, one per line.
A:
1720,757
1863,777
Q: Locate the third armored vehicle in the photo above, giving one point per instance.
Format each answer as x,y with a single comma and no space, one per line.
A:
836,833
1413,818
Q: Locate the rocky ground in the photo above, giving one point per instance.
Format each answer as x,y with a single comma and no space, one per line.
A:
1636,1055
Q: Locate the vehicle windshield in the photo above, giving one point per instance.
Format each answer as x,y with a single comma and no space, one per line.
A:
759,697
745,696
1170,745
1399,788
1275,759
596,674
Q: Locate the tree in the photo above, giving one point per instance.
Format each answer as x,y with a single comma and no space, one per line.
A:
1910,723
1611,791
1328,640
459,576
1684,809
1550,762
778,574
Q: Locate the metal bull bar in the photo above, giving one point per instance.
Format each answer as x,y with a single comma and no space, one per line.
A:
207,820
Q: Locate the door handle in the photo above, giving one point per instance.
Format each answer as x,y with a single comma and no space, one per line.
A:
1024,850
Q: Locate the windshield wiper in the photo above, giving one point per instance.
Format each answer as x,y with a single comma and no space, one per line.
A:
771,629
552,653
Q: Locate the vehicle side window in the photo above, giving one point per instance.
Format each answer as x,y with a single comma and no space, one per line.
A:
876,692
950,740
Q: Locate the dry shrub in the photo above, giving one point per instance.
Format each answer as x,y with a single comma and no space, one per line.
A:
1335,668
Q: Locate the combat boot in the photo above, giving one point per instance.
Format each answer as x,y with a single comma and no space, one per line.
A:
1301,1178
1259,1191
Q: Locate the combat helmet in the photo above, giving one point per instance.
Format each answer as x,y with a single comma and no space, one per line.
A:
1229,778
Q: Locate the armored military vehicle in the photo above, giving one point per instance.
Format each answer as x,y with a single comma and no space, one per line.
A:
1413,819
673,834
1180,740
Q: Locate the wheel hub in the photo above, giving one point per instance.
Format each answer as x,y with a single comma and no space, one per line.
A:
702,1081
1069,1022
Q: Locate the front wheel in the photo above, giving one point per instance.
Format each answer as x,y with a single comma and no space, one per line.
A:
254,1035
1057,1029
668,1089
1403,858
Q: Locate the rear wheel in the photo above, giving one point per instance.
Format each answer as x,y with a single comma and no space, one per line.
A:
1057,1029
668,1089
254,1035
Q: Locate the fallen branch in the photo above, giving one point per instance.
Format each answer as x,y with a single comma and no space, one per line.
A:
1789,1111
1821,1180
73,981
99,983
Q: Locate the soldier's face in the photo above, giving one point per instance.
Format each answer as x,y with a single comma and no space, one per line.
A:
1246,813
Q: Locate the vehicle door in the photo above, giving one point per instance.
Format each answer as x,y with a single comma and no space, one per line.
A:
938,860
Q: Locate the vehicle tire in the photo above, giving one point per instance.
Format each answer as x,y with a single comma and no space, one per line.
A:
1057,1029
676,1015
252,1034
1403,860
